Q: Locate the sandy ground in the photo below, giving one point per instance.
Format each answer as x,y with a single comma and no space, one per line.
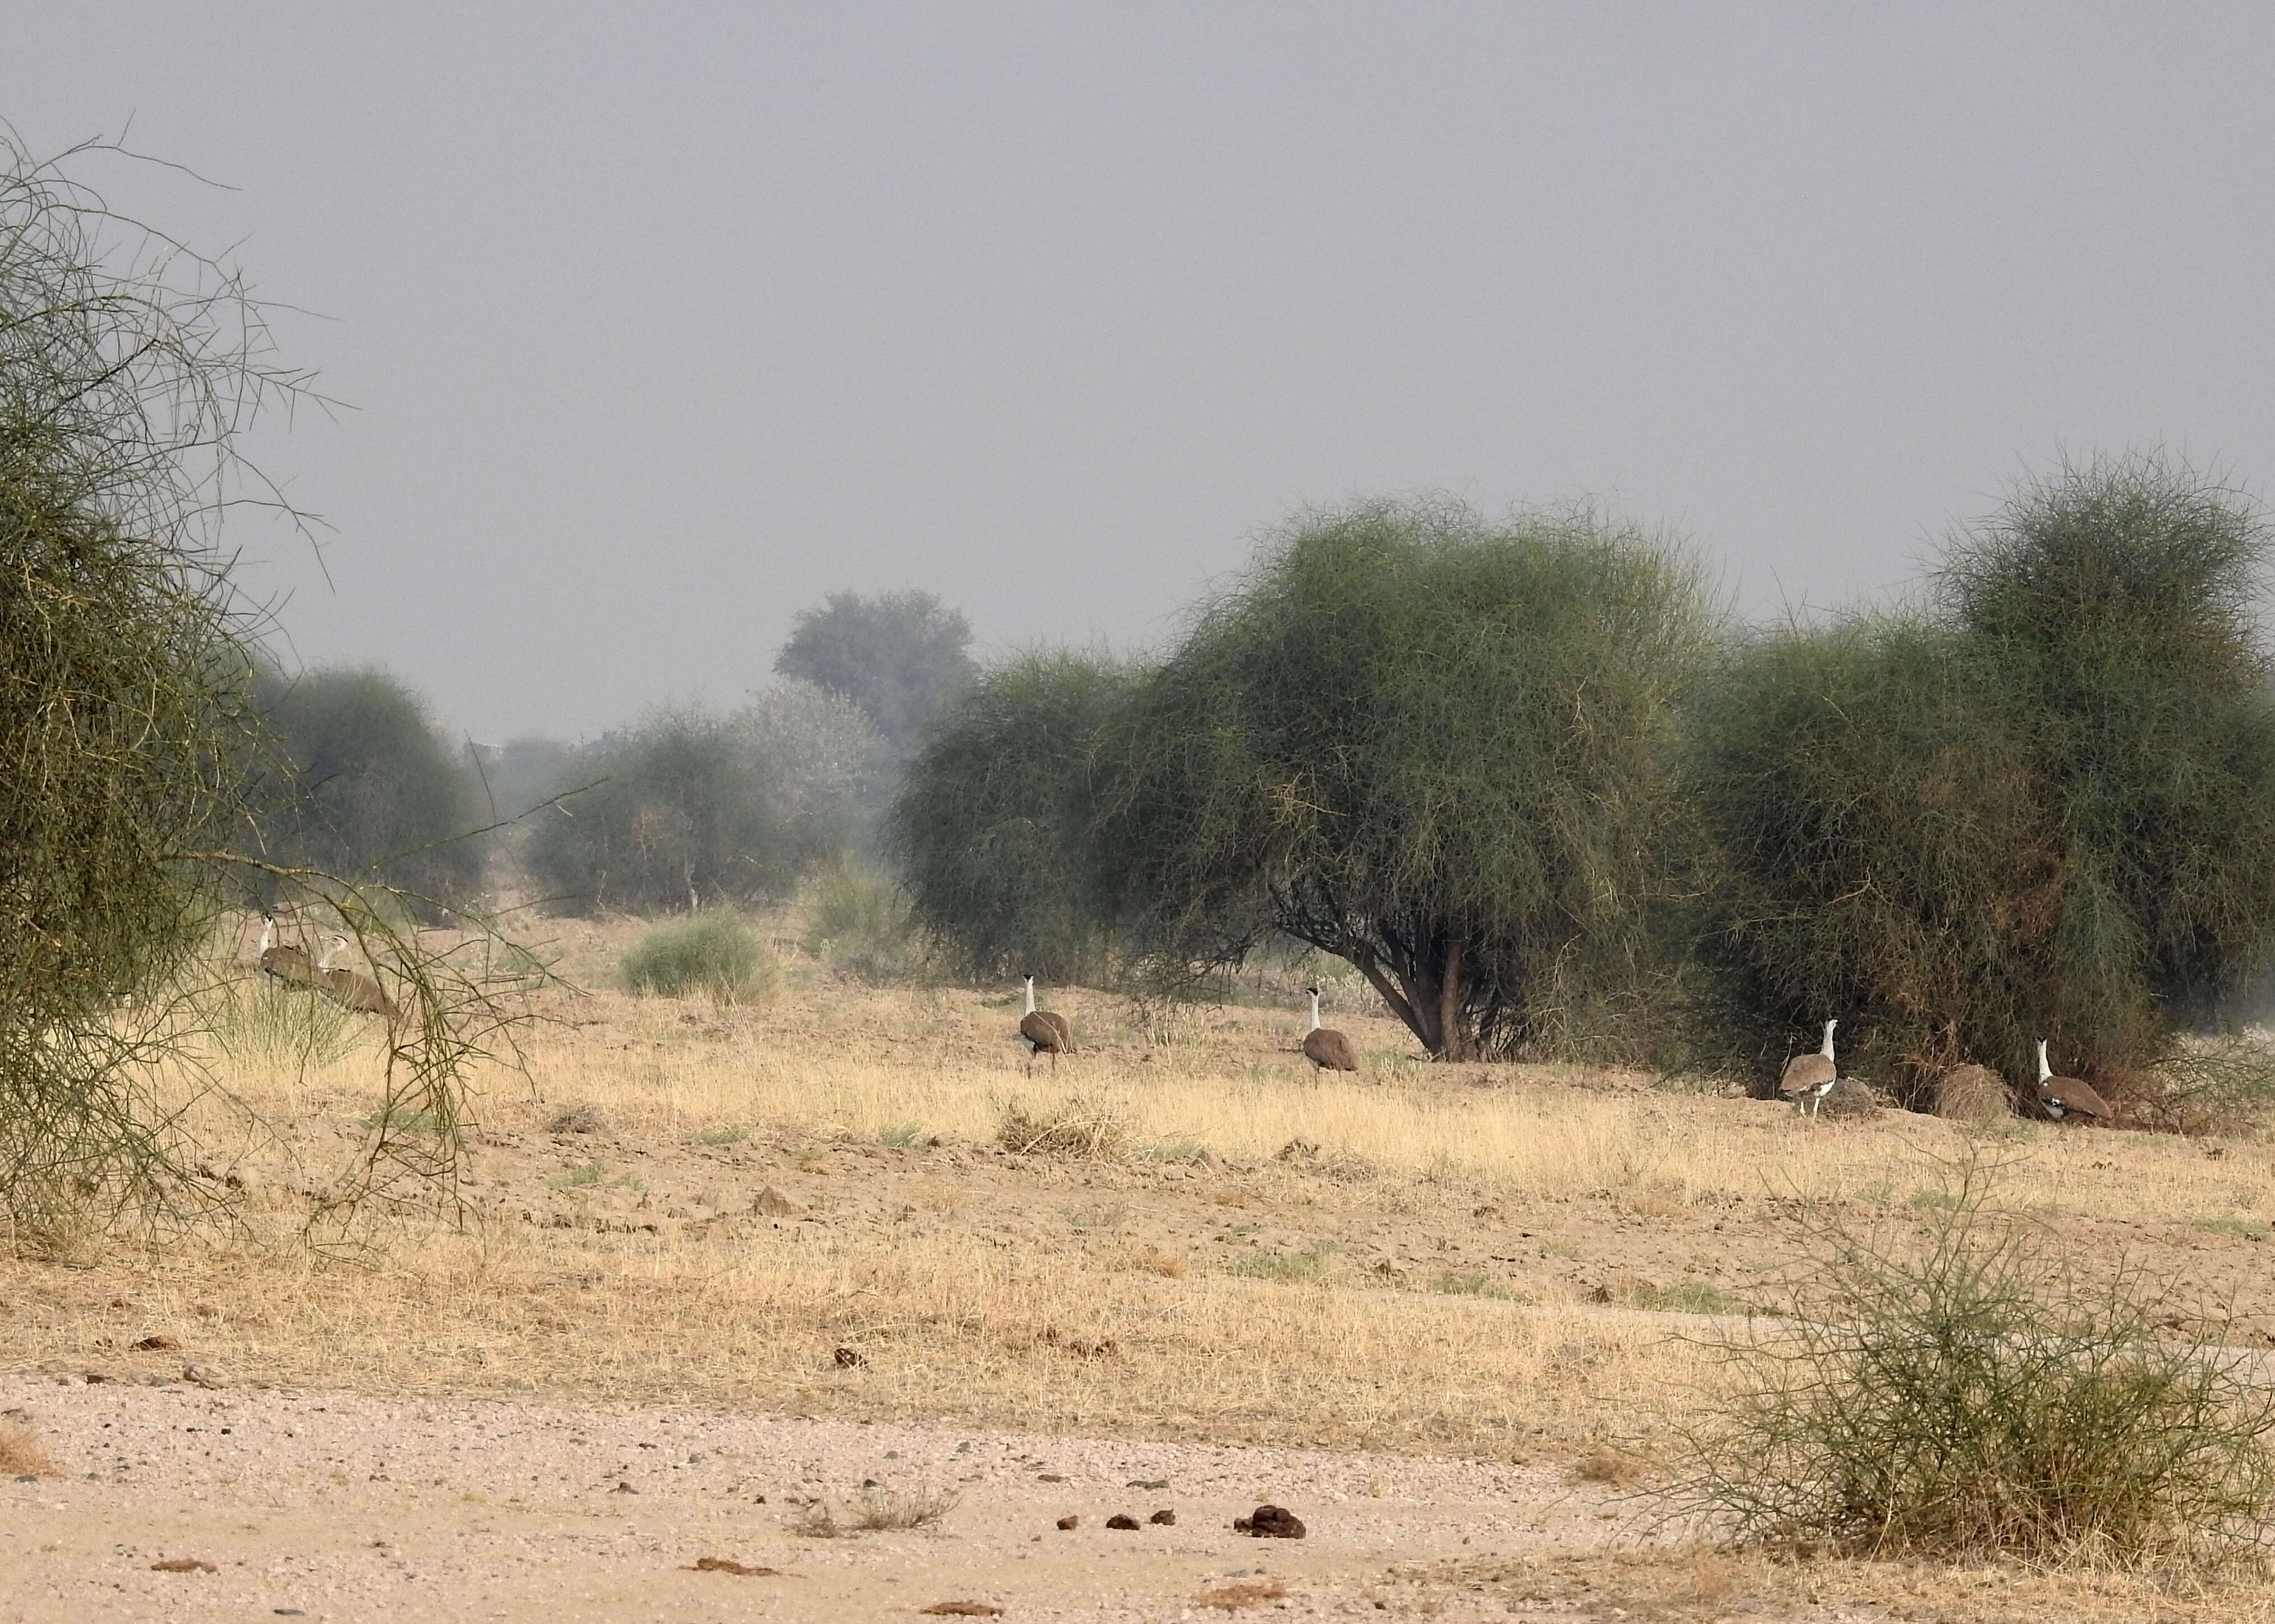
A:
334,1506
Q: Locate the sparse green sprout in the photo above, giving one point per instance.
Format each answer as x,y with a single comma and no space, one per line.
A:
718,1136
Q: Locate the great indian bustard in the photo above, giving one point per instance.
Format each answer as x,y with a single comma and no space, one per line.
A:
1044,1031
351,989
286,964
1328,1049
2061,1097
1808,1079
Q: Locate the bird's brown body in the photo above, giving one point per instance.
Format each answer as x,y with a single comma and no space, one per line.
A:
352,989
1044,1031
2060,1098
1806,1074
280,961
1808,1079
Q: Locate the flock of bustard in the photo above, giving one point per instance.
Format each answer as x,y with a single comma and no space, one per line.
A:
1806,1081
1809,1078
290,967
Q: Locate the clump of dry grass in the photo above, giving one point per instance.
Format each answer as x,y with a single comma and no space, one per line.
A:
1615,1468
22,1455
1246,1593
1079,1127
874,1511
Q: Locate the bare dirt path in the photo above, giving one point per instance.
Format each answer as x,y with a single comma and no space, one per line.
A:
345,1507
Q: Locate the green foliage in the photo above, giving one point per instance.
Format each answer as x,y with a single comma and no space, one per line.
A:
990,824
691,808
900,656
368,783
1981,1398
1309,1263
680,818
714,955
125,370
1442,750
2044,808
859,921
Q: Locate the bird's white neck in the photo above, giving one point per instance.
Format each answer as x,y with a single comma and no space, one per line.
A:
332,950
1315,1012
1827,1050
2044,1070
268,932
1031,995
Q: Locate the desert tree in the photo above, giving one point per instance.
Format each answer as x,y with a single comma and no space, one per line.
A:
366,783
990,828
1441,748
2041,803
130,369
898,655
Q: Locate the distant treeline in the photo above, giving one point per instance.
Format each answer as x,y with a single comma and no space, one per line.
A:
1547,801
685,808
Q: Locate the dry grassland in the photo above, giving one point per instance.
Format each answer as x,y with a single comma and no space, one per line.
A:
1493,1261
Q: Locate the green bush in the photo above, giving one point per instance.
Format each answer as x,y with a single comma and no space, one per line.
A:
860,921
1981,1397
367,784
989,827
2042,806
1442,749
255,1021
712,955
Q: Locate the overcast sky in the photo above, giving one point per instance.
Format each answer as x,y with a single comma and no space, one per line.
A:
661,322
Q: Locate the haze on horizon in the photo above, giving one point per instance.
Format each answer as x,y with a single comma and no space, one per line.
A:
661,323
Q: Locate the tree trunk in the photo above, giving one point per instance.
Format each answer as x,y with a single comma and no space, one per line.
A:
1430,997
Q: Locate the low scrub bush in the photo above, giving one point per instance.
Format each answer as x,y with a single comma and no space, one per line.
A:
1978,1397
714,956
258,1022
859,921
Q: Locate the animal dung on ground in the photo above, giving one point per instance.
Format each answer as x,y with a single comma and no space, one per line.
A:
1164,1518
1122,1520
155,1344
1070,1522
849,1359
727,1564
1147,1483
1270,1523
1971,1094
964,1609
182,1565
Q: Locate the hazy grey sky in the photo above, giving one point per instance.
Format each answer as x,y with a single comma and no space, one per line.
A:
663,321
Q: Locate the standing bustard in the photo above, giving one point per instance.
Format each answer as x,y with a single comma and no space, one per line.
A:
351,989
1326,1048
2058,1096
1808,1079
1044,1031
288,964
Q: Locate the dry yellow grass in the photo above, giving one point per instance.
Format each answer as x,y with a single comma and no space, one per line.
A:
21,1452
1414,1258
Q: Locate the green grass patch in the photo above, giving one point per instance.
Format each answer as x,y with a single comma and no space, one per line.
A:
1470,1283
717,1136
2244,1228
1312,1263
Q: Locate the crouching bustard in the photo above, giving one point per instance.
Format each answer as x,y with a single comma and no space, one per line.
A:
1808,1079
1044,1031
